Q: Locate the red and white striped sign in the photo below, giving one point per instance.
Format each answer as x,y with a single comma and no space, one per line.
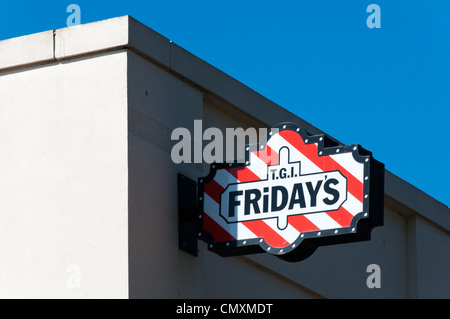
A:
290,189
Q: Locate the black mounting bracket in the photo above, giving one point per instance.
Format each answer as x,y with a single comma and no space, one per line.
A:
188,221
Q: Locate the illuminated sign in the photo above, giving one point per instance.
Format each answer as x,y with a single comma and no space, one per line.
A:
292,194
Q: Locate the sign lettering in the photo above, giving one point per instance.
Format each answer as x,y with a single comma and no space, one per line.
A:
295,192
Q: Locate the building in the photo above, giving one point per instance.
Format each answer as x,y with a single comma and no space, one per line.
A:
88,190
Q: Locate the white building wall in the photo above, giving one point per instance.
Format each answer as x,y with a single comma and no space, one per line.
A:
64,180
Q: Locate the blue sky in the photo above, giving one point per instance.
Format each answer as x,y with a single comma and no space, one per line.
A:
387,89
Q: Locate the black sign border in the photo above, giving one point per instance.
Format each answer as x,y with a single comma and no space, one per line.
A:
361,225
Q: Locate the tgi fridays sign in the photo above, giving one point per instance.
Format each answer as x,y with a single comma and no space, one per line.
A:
294,193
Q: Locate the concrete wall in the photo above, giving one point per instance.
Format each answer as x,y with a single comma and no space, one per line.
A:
88,188
64,179
332,271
